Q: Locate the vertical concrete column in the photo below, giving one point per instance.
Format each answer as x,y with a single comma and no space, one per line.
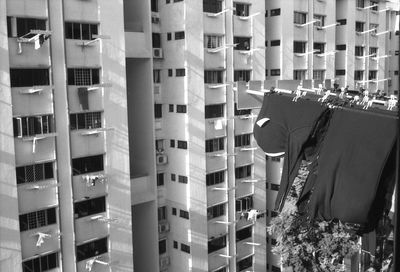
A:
310,30
10,244
63,153
230,145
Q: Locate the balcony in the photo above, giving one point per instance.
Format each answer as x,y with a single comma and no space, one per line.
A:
91,227
33,100
244,124
244,187
215,93
214,58
86,142
82,53
215,195
33,8
214,23
242,59
244,155
37,195
85,9
89,185
40,240
100,263
26,54
215,127
244,248
29,150
242,25
95,98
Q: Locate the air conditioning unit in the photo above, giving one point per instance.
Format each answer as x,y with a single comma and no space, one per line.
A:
164,262
157,53
162,159
163,227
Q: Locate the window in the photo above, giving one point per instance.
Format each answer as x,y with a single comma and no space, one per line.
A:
275,187
154,5
160,179
299,74
215,178
87,165
242,140
180,35
171,108
266,13
396,73
242,111
274,214
182,144
244,263
29,126
29,77
275,12
359,51
216,244
162,246
243,171
213,41
275,269
156,76
320,47
185,248
170,72
37,219
375,4
243,234
171,143
9,27
184,214
89,207
180,72
275,72
300,18
156,40
214,111
275,42
241,9
212,6
157,111
91,249
169,36
321,20
83,76
342,21
340,72
80,31
359,26
358,75
360,3
242,75
86,120
34,172
173,211
340,47
215,211
213,76
183,179
244,204
25,25
319,74
41,263
173,177
299,47
162,213
176,1
175,244
243,43
373,51
372,75
181,108
216,144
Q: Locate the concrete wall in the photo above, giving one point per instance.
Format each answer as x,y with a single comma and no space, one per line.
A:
10,244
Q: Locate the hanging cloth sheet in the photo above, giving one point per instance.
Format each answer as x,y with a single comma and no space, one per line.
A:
83,96
349,152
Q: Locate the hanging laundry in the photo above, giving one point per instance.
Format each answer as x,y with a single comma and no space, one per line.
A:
289,126
218,124
83,96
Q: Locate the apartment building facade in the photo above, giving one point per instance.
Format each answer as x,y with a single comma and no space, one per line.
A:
210,175
348,41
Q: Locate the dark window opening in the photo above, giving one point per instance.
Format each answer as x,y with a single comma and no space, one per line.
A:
216,144
34,172
86,120
241,9
184,214
41,263
87,165
37,219
275,12
83,76
299,47
215,178
243,234
245,263
33,125
80,31
213,77
162,246
29,77
242,43
91,249
212,6
216,244
160,179
90,207
215,211
182,144
242,75
156,40
242,140
157,111
242,111
243,171
214,111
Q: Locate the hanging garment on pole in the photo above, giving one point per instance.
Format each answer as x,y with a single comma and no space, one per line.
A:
289,126
355,166
83,96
